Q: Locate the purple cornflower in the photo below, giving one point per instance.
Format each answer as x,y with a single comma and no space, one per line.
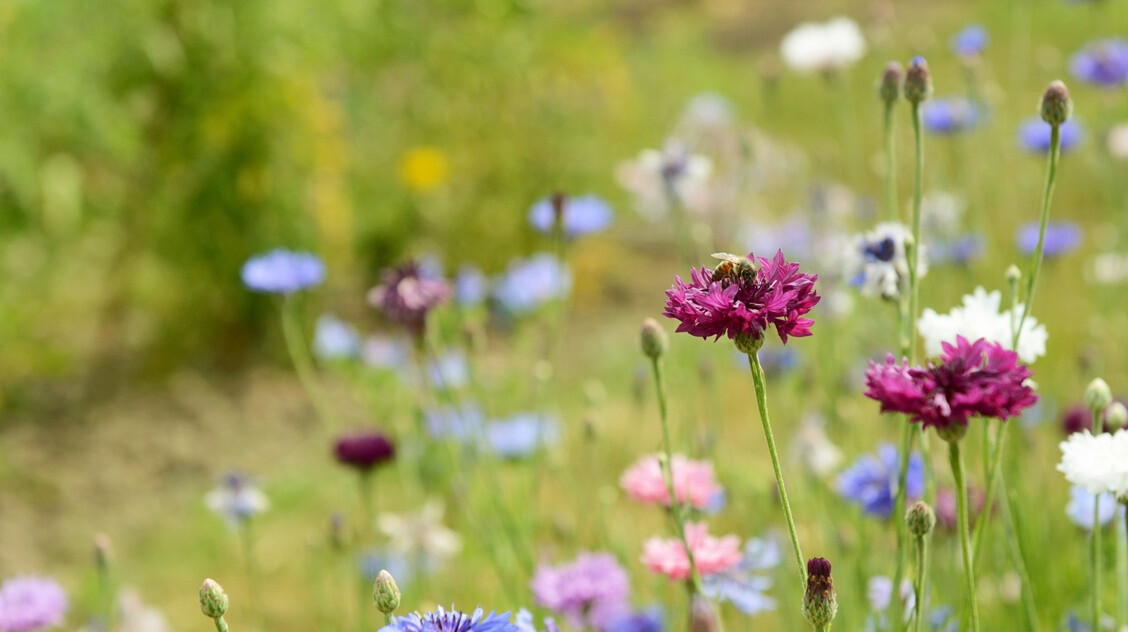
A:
648,620
1061,238
971,41
586,592
406,296
872,480
1104,63
28,604
949,116
462,424
529,283
521,435
580,215
1034,135
364,450
971,379
451,621
282,271
743,300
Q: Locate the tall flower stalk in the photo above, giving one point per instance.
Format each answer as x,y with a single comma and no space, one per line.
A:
889,90
920,521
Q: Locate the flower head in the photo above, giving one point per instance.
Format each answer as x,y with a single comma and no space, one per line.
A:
422,533
529,283
28,604
470,286
423,168
694,481
1061,238
1034,135
949,116
335,339
648,620
971,379
878,263
745,585
872,481
522,434
710,554
979,317
580,215
1080,507
236,499
451,621
744,303
1098,464
364,450
971,41
1104,63
282,271
820,604
823,47
406,295
660,179
586,592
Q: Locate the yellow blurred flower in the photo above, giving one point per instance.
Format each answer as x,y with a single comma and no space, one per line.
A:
423,168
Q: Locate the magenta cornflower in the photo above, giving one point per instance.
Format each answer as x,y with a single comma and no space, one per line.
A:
694,481
364,450
742,297
407,294
971,379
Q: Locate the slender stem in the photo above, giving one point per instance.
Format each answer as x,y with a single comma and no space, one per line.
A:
1036,259
220,624
922,572
1122,567
364,486
668,474
1095,542
965,534
894,607
762,403
890,165
303,363
913,253
387,619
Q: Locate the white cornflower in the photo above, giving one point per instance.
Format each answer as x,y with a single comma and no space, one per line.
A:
421,533
814,449
823,47
656,176
236,500
877,263
1098,464
1118,141
979,317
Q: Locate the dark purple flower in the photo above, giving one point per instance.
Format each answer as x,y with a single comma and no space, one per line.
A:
1061,238
972,40
406,296
28,604
742,303
949,116
591,591
364,450
579,215
972,379
1034,135
282,271
1104,63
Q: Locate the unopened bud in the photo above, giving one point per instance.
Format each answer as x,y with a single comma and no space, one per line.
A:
1116,417
1098,396
920,519
654,340
749,343
1056,106
889,88
918,81
702,615
1013,274
386,593
213,601
819,601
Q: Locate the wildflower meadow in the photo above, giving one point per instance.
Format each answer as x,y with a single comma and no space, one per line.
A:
543,316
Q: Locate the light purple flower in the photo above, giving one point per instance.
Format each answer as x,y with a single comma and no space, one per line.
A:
382,352
470,286
745,585
335,339
647,620
971,41
463,424
949,116
29,604
282,271
581,215
529,283
1080,508
1104,63
521,435
406,295
587,592
1061,238
1034,135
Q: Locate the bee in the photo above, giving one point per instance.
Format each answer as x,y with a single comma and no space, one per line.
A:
733,266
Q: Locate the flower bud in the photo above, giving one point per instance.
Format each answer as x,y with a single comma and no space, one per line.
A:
918,82
1098,396
213,601
702,615
654,340
819,601
920,519
889,87
1056,106
748,343
386,593
1013,275
1116,417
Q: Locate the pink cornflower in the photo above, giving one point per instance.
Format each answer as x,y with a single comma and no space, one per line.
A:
694,481
406,294
710,554
742,298
972,379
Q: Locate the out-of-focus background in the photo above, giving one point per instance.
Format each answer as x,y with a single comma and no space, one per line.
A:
150,148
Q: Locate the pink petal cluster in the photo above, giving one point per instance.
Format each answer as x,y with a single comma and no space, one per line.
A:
710,554
972,379
694,481
405,296
777,296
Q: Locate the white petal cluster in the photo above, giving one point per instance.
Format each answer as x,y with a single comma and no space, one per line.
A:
1098,464
823,47
980,317
655,174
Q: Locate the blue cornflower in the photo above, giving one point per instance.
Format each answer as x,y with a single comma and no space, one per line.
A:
462,424
1034,135
335,339
372,561
872,480
960,249
529,283
1061,238
282,271
449,371
745,586
949,116
1080,508
648,620
971,41
521,435
775,360
452,621
943,619
470,286
581,215
1104,63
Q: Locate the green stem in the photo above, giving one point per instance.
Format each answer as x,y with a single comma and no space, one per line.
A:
894,607
668,474
220,624
913,252
1095,550
965,532
762,403
303,363
890,165
1122,569
364,486
922,572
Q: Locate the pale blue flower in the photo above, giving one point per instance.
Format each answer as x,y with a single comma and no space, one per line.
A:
1080,508
282,271
582,215
335,339
529,283
521,435
745,585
